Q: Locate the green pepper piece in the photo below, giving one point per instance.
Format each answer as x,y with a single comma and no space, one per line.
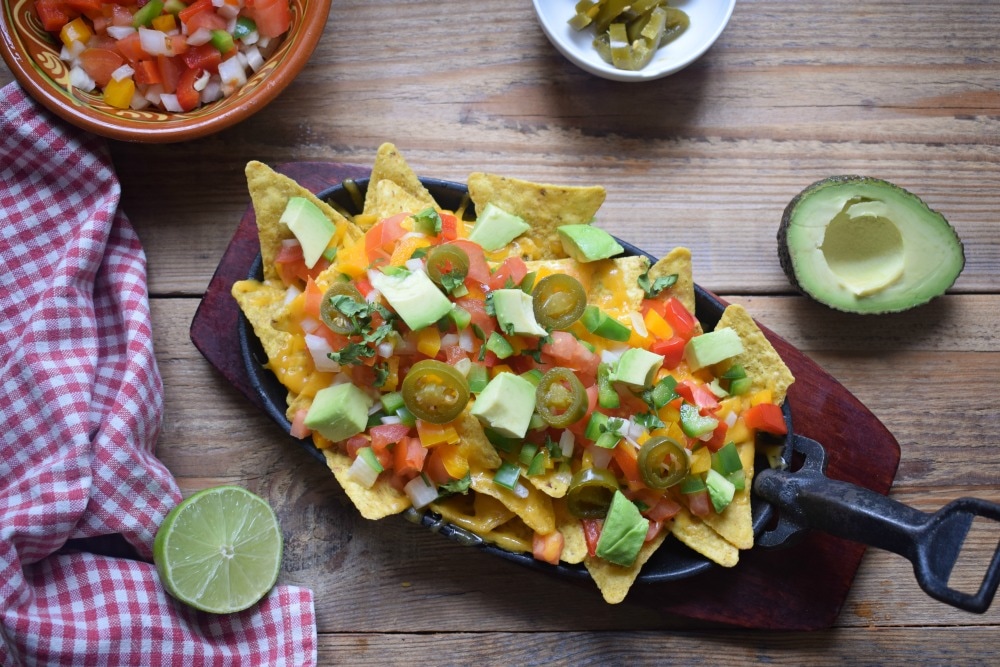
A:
223,41
694,424
329,310
369,457
507,475
539,463
435,391
144,17
607,397
478,377
662,463
727,459
558,301
599,323
499,346
590,493
693,484
392,401
598,421
561,398
527,453
173,6
244,26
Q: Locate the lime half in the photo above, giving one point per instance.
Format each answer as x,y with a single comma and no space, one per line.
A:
219,550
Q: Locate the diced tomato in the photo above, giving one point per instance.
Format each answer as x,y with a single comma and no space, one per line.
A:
84,6
409,456
131,48
664,509
672,350
364,286
449,227
654,529
513,269
566,350
203,56
591,534
299,428
380,239
170,72
548,548
121,16
53,14
187,97
577,428
434,467
699,503
273,17
313,299
453,354
387,434
679,318
627,458
766,417
479,269
192,10
177,44
290,263
718,438
698,394
147,72
480,318
100,64
354,443
205,19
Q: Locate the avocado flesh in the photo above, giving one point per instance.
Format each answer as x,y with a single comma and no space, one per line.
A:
864,245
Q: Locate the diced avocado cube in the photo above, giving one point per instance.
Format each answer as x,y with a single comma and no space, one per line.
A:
413,296
712,347
720,490
338,412
506,405
495,228
312,229
623,533
515,313
586,243
637,368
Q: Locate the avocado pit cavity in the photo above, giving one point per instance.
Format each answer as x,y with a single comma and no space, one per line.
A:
864,248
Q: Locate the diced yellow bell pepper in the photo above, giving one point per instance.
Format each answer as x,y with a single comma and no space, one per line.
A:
405,249
165,23
392,379
739,432
119,93
454,462
762,396
429,341
656,325
701,460
432,435
500,368
352,260
77,30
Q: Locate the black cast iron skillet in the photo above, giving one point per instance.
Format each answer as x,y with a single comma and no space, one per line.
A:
804,499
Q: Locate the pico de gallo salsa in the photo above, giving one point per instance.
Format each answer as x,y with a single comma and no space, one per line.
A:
169,54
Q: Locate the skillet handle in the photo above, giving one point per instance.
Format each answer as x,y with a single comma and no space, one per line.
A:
932,542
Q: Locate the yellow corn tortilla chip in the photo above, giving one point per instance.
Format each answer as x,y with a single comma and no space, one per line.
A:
735,523
269,192
677,261
378,502
574,542
261,303
614,581
475,512
552,483
390,166
387,198
534,508
615,284
761,361
544,207
699,536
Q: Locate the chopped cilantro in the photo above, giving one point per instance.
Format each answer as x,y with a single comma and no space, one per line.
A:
652,288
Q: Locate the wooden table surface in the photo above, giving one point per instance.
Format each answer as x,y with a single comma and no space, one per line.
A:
707,158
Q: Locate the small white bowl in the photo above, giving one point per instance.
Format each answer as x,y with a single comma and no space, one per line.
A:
708,19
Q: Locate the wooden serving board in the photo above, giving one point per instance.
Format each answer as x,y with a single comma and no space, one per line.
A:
800,587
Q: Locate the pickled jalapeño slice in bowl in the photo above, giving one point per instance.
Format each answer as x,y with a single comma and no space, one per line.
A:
219,550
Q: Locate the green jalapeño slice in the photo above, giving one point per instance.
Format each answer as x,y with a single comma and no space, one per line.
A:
590,493
330,311
662,462
558,301
560,398
447,265
435,391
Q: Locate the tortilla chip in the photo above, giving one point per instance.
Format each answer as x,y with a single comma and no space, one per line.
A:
261,303
475,512
269,192
574,542
761,361
390,166
735,523
699,536
544,207
386,198
615,284
614,581
677,261
552,483
378,502
535,509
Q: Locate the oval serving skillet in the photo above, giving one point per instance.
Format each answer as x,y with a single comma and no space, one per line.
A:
804,499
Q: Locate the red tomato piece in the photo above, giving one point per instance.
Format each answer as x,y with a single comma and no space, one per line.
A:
434,467
273,17
131,48
53,14
718,438
664,509
699,503
479,270
84,6
299,428
203,56
100,64
627,458
313,299
766,417
566,350
480,318
513,269
382,237
147,72
449,227
699,395
384,435
409,456
548,548
170,72
591,534
354,443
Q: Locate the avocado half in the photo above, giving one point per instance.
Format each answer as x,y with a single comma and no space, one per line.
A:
864,245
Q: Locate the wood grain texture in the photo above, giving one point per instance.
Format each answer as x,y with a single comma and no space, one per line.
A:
708,158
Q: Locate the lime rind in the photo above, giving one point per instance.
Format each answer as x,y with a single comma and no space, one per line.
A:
219,550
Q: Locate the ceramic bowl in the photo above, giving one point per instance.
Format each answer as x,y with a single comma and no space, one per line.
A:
708,20
32,54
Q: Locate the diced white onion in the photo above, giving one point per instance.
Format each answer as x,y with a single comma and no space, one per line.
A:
251,38
420,492
566,443
466,341
731,419
385,349
120,31
340,378
264,42
610,356
319,348
449,339
154,43
202,81
310,324
169,102
230,12
139,101
463,365
373,296
635,429
376,406
232,74
212,92
416,264
123,72
72,51
639,324
254,59
153,93
600,456
199,37
362,473
707,436
289,243
242,57
81,80
291,293
521,491
392,419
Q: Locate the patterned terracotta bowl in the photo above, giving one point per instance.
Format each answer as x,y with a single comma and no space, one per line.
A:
32,54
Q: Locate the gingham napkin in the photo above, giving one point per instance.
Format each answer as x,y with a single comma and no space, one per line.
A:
80,409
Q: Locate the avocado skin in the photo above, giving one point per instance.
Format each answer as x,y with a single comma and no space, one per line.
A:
785,258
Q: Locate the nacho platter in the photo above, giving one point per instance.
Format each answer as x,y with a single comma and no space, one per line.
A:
956,519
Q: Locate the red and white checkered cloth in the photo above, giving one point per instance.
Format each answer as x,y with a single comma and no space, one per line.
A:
80,410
